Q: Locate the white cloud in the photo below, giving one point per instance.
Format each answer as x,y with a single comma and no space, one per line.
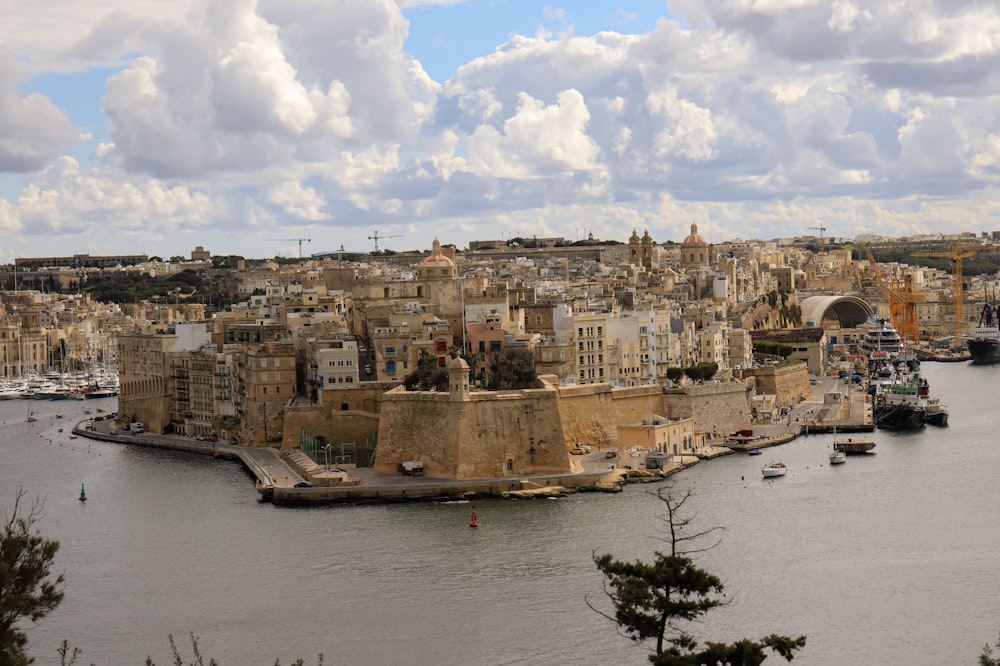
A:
536,140
240,114
32,129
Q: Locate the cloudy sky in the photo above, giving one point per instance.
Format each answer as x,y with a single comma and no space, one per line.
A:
153,126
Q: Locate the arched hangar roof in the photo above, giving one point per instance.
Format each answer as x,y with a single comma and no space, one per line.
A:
837,311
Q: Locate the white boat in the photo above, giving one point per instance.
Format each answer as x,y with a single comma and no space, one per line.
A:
880,338
773,469
837,456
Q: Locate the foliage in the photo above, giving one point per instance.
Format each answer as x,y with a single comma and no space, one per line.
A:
772,348
514,370
427,376
704,370
986,656
653,601
27,591
199,660
674,373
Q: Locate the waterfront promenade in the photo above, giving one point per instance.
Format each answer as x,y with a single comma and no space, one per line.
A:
279,482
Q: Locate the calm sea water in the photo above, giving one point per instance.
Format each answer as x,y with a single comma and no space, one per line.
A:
887,559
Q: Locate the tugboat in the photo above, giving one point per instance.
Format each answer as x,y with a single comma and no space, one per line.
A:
901,405
984,345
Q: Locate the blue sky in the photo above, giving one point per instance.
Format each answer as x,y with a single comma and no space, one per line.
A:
157,125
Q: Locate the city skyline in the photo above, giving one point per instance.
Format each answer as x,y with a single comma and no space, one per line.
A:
154,127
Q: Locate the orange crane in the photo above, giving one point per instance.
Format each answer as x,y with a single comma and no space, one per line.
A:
956,255
902,298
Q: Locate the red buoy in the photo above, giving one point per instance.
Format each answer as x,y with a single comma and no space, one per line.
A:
472,520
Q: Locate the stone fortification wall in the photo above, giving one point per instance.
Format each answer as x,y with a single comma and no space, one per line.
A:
591,414
513,433
366,396
717,408
790,383
490,435
335,426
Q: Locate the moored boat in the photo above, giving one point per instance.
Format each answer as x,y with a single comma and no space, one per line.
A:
837,456
773,469
853,446
901,405
984,345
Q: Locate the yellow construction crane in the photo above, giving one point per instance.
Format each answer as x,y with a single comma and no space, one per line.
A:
377,236
902,300
300,241
956,255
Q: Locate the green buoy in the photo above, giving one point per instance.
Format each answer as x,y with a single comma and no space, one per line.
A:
83,494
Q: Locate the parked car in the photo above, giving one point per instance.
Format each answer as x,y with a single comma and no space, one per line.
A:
304,484
578,451
611,453
234,441
200,438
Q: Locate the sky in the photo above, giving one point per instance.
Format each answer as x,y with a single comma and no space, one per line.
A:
155,126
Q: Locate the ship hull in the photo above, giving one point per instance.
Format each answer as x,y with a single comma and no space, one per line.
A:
984,351
899,417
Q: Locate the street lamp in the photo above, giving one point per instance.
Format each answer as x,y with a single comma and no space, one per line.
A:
326,455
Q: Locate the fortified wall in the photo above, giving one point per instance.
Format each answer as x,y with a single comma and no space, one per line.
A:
334,426
790,383
465,435
716,408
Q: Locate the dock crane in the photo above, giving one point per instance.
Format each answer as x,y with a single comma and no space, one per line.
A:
956,255
902,300
377,236
299,240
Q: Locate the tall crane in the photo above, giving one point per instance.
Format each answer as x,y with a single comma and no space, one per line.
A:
956,255
300,241
821,230
902,300
377,236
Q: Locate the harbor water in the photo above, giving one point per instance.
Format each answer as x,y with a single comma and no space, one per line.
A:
890,558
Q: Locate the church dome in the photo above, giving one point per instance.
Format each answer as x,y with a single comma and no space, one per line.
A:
436,258
694,238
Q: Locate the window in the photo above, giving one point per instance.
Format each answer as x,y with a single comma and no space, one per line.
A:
390,367
495,347
390,351
263,362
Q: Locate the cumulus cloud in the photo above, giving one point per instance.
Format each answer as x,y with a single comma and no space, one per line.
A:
32,129
237,112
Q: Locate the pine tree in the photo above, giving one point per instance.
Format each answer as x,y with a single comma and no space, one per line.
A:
652,601
27,592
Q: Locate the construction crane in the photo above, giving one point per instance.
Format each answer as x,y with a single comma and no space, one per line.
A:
902,300
821,230
299,240
377,236
956,255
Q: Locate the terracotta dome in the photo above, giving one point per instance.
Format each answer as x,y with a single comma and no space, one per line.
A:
695,238
436,258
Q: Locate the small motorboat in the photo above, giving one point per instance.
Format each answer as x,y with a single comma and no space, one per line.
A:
837,456
754,452
773,469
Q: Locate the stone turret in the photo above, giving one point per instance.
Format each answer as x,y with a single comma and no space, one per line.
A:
458,379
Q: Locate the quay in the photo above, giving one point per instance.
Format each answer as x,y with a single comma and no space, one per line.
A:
279,482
